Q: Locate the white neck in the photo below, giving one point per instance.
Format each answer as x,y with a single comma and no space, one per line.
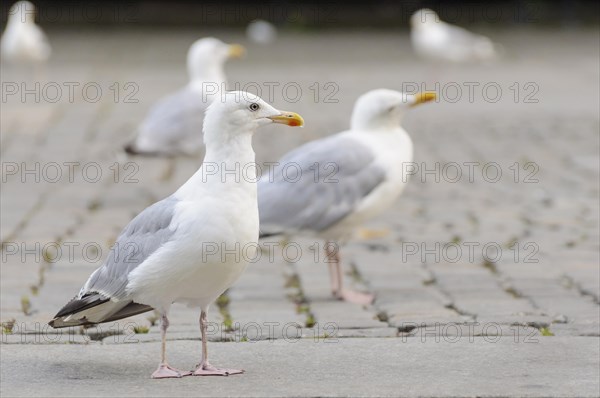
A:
211,88
19,20
229,162
382,124
212,73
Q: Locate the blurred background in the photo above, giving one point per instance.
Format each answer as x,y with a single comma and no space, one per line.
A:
314,14
532,113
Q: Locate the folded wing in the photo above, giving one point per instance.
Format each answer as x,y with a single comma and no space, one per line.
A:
104,297
316,185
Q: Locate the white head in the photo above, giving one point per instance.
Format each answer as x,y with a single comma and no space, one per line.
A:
238,113
206,57
22,12
424,17
383,108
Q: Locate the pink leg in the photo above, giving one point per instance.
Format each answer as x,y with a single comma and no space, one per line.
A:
205,368
333,260
333,278
165,371
337,279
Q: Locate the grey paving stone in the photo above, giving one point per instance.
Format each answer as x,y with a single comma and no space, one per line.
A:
575,329
329,368
370,332
534,320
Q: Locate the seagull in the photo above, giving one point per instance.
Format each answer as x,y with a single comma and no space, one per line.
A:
173,125
180,248
434,39
341,181
23,41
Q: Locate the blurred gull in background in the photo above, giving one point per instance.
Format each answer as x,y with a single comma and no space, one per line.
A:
360,175
434,39
174,125
23,41
261,32
170,262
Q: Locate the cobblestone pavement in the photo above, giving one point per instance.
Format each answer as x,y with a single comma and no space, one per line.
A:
486,272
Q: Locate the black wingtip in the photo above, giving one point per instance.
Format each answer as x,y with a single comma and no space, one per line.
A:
130,149
88,300
263,235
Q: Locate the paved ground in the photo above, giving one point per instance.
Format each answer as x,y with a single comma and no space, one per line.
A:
487,284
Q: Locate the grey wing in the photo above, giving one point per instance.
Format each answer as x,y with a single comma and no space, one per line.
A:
145,234
462,37
459,34
174,122
104,298
336,174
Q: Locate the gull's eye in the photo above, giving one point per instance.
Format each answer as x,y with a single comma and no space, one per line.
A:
254,107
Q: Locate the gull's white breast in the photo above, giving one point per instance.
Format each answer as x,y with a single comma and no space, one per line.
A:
213,242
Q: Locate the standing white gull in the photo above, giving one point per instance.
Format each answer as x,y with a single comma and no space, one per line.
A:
23,41
183,243
345,179
173,126
434,39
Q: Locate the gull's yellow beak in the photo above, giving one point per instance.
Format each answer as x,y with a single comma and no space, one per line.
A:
423,97
288,118
236,51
